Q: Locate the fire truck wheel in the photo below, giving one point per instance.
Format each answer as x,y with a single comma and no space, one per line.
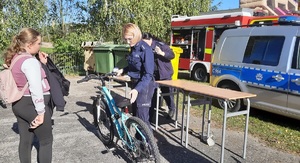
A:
199,73
232,105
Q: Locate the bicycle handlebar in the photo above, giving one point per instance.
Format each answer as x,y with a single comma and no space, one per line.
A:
98,77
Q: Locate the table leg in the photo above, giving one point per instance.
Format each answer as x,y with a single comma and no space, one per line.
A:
223,131
203,122
209,118
126,89
110,84
177,100
246,128
157,105
187,121
182,119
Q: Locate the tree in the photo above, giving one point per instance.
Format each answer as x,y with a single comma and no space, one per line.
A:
109,16
92,19
17,14
62,13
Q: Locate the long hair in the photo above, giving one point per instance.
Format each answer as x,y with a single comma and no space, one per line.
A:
133,30
18,43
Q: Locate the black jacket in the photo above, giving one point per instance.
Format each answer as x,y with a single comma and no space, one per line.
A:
58,85
163,63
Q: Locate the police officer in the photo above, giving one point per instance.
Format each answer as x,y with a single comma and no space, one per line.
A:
163,70
140,68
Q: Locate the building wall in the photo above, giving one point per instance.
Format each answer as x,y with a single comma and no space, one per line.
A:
271,7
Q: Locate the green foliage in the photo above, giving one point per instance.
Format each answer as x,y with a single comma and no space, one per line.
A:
69,63
17,14
68,23
68,53
101,19
47,50
71,42
1,61
110,16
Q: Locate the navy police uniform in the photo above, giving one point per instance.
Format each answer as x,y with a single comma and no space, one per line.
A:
163,71
141,68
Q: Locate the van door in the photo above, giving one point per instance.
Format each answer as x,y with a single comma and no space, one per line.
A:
261,73
294,80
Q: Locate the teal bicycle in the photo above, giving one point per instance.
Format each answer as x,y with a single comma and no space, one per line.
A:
110,116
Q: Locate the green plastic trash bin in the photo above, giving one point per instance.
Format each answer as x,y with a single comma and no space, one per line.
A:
120,52
104,60
175,62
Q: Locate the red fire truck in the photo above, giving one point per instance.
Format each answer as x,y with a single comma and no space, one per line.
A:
197,36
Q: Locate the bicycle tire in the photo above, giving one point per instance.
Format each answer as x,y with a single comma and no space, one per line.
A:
103,122
148,154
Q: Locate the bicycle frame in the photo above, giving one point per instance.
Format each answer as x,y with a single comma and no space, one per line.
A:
116,114
135,135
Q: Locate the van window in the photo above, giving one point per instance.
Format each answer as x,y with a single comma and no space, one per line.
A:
296,55
264,50
232,48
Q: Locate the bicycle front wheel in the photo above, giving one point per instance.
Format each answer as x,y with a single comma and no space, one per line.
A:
143,144
103,121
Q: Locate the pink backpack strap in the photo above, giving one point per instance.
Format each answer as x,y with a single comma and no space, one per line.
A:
16,59
13,63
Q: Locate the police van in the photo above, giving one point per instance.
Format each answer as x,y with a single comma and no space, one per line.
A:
264,61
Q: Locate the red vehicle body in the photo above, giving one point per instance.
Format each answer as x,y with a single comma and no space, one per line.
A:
197,36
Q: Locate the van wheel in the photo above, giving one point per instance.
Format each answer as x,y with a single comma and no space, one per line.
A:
232,105
199,73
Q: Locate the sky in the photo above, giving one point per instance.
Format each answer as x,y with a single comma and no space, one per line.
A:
227,4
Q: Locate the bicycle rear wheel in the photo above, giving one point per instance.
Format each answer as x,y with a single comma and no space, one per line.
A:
144,145
103,121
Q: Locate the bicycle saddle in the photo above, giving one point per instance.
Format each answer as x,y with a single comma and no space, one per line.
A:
121,103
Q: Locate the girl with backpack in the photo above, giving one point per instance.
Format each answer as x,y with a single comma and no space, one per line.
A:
32,113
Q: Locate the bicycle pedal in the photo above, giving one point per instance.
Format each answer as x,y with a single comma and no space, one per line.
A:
111,149
108,149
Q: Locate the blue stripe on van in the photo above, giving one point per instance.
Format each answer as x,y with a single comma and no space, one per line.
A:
252,76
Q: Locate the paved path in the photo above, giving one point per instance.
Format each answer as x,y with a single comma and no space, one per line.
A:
75,139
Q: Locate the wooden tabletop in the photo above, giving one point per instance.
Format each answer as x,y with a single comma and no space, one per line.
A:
206,90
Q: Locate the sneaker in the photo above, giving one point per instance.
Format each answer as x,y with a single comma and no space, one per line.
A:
171,113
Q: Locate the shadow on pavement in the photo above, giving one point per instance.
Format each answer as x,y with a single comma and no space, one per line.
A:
115,147
167,149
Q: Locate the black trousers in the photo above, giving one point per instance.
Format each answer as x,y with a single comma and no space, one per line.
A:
168,99
25,113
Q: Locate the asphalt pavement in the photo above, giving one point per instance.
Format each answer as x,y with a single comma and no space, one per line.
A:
76,141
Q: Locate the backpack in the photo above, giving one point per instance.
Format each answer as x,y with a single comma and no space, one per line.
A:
9,91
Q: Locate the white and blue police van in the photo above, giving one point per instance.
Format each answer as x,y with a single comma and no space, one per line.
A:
264,61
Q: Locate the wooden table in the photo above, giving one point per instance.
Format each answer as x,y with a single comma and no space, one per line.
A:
124,80
208,92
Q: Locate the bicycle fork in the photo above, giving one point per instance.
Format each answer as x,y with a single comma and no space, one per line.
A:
98,112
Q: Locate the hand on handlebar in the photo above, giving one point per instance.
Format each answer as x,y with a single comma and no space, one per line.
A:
119,72
133,94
